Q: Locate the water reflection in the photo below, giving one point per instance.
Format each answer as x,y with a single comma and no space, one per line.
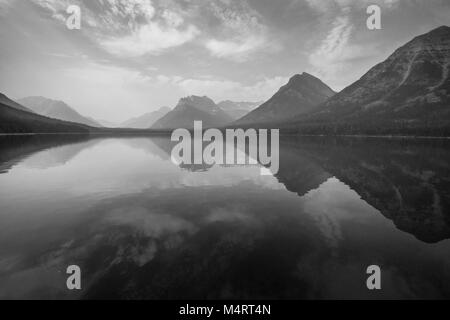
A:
407,180
141,227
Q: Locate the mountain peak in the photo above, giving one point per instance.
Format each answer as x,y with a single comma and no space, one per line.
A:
196,101
300,95
193,108
194,98
441,29
302,76
306,82
434,37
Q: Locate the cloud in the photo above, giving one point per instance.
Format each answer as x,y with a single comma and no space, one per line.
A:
162,29
336,52
149,39
227,89
241,32
128,28
324,6
5,4
133,8
328,59
238,49
99,74
132,28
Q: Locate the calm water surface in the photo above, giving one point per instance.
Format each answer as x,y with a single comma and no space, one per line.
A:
141,227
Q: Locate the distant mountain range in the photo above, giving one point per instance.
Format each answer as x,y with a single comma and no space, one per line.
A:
147,120
106,123
408,93
13,119
56,109
40,109
194,108
237,110
300,95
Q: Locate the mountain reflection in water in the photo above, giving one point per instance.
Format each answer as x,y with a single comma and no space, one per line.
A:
141,227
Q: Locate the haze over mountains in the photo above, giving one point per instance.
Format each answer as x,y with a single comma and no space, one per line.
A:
13,119
237,110
146,120
41,109
300,95
56,109
194,108
8,102
107,124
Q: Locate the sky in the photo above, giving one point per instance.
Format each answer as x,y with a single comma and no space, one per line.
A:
134,56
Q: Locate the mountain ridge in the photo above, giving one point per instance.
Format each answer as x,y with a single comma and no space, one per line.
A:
56,109
15,121
13,104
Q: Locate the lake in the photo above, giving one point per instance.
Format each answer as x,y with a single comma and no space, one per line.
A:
141,227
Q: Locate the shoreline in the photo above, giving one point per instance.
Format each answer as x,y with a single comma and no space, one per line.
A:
165,133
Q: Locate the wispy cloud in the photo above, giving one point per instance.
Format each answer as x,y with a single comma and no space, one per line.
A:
161,29
242,33
332,5
238,49
335,53
219,89
128,28
152,38
329,58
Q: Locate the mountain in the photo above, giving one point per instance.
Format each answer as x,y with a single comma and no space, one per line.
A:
408,91
300,95
146,120
8,102
237,110
57,110
13,120
190,109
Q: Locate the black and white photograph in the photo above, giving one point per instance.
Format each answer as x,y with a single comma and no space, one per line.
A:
242,152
